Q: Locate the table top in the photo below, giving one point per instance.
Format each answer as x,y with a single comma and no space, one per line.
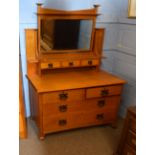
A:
73,80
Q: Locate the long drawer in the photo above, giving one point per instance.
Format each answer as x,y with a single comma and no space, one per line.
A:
103,91
77,120
53,108
63,96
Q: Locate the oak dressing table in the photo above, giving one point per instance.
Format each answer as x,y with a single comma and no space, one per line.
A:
67,89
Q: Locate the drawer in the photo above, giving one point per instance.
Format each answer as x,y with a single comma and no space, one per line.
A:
131,139
50,109
54,64
91,62
128,150
76,120
74,63
103,91
63,96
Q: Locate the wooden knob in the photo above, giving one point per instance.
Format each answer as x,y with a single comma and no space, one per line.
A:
104,92
100,117
90,62
63,96
63,108
50,65
71,64
62,122
101,103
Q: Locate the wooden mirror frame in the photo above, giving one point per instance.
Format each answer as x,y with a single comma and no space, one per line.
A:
45,13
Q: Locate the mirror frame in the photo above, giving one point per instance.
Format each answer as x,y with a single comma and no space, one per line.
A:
45,13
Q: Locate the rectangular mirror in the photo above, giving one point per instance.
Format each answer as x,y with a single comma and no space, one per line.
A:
58,35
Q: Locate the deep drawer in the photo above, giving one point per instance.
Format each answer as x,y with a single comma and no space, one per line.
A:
63,96
103,91
50,109
77,120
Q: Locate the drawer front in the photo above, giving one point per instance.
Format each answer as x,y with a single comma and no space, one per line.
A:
75,63
50,109
63,96
76,120
103,91
131,139
93,62
50,65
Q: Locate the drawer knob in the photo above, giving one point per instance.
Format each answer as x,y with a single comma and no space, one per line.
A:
101,103
104,92
71,64
62,122
90,62
63,96
63,108
100,117
50,65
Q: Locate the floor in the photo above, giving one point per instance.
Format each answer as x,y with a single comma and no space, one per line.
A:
101,140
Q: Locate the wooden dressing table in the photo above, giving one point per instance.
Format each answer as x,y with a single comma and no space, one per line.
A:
67,89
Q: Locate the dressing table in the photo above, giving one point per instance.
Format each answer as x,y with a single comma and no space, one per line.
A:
67,88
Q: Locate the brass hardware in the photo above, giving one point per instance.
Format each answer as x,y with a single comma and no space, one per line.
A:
101,103
63,108
90,62
63,96
50,65
100,117
104,92
71,64
62,122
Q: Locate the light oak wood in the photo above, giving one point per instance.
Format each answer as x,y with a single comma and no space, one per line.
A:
68,90
71,95
73,80
56,108
103,91
74,63
77,120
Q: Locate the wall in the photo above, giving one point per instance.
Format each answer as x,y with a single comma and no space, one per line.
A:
119,45
120,49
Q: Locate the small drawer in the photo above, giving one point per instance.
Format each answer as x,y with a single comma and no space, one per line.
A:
131,139
50,65
103,91
63,96
93,62
74,63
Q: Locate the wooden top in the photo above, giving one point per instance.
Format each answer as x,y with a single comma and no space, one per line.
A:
72,80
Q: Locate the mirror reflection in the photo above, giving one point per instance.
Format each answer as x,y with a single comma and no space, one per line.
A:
63,34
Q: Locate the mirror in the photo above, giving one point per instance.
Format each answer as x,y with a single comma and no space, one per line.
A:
57,35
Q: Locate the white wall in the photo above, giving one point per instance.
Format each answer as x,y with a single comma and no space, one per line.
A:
119,45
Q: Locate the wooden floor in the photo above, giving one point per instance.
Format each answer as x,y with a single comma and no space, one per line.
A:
101,140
